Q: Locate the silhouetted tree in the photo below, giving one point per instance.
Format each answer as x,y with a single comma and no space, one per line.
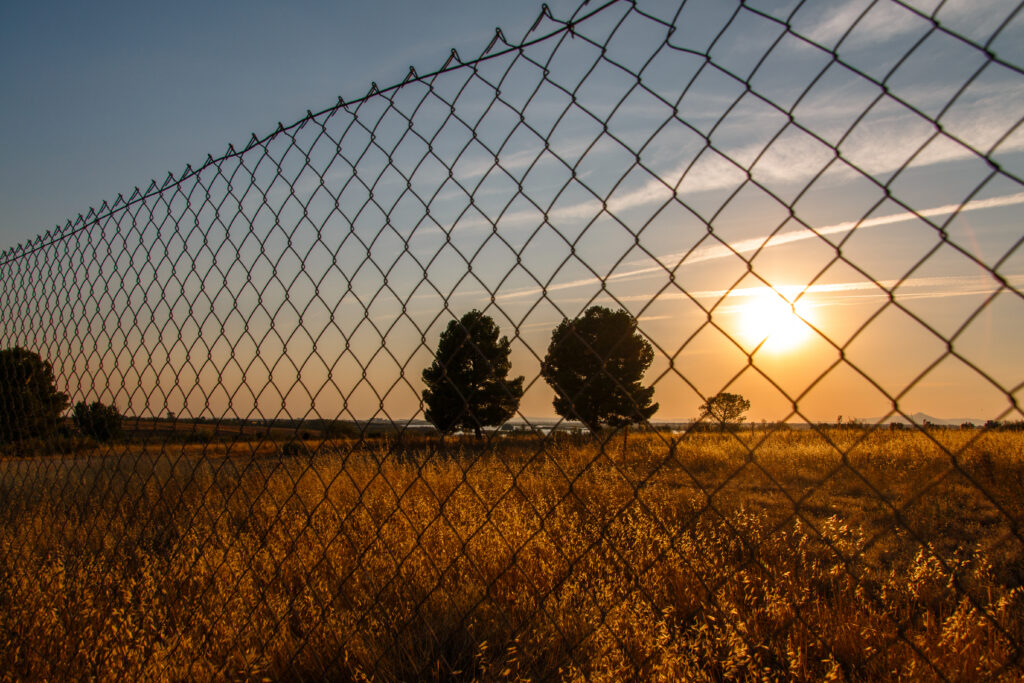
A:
99,421
30,404
467,384
725,408
595,364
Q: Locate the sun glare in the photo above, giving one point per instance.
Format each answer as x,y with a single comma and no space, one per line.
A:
773,322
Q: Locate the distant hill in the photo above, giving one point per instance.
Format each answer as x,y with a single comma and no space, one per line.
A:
921,418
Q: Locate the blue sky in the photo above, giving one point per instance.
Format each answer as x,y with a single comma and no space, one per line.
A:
725,185
102,96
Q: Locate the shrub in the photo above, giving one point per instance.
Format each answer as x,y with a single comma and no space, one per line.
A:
30,405
99,421
292,449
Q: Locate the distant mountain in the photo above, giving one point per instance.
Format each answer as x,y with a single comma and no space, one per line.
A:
921,418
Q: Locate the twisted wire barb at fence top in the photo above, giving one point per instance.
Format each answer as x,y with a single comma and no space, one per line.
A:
263,323
105,211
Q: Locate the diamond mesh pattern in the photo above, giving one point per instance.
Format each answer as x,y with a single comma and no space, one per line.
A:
277,507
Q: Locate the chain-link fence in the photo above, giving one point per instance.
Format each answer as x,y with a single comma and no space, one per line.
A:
613,353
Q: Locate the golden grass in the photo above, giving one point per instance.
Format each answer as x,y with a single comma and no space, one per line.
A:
793,555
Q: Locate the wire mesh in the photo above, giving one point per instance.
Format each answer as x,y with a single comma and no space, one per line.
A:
808,208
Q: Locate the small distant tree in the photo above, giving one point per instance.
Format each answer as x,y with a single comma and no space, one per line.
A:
99,421
467,385
30,405
596,363
726,409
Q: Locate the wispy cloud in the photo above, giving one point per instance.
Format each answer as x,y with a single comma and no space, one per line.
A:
635,271
750,245
883,22
720,251
809,297
826,293
887,145
833,294
569,150
886,21
884,142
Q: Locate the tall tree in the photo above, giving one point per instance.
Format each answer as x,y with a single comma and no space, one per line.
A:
467,384
595,363
30,404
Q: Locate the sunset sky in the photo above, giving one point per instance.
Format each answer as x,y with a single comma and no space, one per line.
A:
708,199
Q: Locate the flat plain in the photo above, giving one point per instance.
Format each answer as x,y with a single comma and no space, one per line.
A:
765,554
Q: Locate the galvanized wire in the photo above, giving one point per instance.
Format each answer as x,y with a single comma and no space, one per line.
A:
306,278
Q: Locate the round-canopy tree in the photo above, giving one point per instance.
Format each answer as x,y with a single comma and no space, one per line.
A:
595,364
30,404
467,384
725,408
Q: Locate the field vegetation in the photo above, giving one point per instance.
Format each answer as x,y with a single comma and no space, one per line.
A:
754,555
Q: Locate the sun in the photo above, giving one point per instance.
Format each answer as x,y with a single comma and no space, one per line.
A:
775,323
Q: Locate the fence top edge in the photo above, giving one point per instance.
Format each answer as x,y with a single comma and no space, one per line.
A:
452,63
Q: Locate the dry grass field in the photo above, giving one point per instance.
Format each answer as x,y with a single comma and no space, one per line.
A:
793,555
